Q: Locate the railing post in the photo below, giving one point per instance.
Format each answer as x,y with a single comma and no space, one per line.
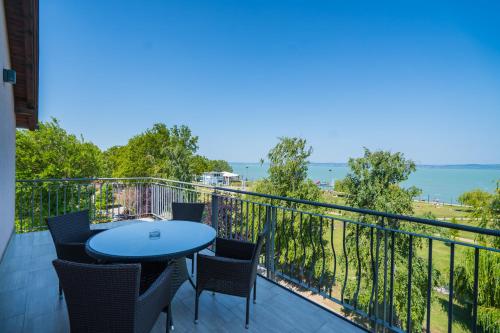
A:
270,238
215,212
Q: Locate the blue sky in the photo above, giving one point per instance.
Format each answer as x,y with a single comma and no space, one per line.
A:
421,77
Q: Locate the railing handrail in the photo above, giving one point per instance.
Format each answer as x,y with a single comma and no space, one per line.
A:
406,218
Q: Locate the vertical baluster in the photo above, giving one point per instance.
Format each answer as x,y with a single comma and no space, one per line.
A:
385,277
41,206
274,222
57,199
65,195
372,261
450,298
79,194
269,245
71,206
377,259
32,213
410,272
429,285
231,205
284,238
323,253
241,218
94,201
226,217
105,192
304,257
358,269
89,195
259,227
391,281
246,220
332,227
253,221
313,254
113,193
344,226
20,202
475,290
294,261
215,212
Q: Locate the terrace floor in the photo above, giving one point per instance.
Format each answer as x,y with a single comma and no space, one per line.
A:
29,300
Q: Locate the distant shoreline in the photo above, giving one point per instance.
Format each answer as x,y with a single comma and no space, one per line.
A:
444,183
436,166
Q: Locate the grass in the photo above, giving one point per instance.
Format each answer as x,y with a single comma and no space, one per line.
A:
439,210
439,316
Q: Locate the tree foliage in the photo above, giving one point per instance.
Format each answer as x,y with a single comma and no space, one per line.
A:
486,207
201,164
288,165
50,152
373,182
157,152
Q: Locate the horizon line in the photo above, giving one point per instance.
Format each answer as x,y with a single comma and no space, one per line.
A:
418,164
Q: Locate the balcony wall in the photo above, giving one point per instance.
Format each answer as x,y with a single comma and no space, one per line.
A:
7,142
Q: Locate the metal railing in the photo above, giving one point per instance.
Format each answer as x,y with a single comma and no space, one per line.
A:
388,272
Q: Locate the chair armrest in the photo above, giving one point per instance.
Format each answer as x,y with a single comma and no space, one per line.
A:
155,299
236,249
73,252
221,268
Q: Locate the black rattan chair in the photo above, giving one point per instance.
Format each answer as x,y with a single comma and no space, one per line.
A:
70,232
186,211
106,298
232,271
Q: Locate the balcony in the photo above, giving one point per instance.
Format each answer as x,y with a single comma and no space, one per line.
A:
328,268
29,300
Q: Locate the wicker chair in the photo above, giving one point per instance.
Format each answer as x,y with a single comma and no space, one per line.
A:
106,298
70,232
232,271
188,212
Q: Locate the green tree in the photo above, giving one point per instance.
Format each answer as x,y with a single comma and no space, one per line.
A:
113,158
477,199
288,171
340,186
158,152
201,164
219,165
51,152
486,207
373,182
288,165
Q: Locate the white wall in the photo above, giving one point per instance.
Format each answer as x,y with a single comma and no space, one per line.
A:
7,142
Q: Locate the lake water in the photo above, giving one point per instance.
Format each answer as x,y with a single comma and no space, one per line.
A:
443,183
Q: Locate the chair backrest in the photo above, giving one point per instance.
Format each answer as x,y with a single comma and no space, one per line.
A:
100,298
71,227
187,211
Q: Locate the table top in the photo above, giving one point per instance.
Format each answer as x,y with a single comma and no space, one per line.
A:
141,242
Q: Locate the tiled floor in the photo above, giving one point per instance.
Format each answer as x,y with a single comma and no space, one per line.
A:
29,300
